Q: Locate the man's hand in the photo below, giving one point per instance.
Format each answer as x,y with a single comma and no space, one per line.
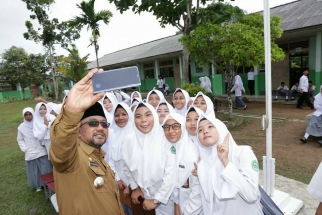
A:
136,194
121,184
81,96
149,204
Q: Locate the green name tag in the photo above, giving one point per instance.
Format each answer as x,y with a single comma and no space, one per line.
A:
173,150
255,165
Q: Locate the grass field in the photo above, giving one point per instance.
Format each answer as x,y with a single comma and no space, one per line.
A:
15,195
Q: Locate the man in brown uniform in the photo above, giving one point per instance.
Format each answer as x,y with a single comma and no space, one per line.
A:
77,135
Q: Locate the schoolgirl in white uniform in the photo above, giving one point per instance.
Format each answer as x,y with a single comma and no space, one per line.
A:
228,173
180,101
192,117
315,188
154,97
136,94
204,103
187,192
36,158
163,110
150,163
109,102
122,126
41,125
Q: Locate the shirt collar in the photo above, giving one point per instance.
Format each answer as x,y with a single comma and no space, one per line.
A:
89,149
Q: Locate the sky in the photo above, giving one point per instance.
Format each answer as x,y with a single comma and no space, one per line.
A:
124,30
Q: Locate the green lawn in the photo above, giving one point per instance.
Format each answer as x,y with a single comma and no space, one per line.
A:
15,195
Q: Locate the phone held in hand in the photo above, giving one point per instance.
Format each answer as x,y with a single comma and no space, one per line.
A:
116,79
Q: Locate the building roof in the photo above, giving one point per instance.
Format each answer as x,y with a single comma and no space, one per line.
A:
150,49
295,15
299,14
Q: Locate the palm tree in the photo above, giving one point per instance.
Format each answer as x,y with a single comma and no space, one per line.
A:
73,66
91,19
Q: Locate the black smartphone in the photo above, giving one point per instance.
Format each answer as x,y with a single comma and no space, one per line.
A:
116,79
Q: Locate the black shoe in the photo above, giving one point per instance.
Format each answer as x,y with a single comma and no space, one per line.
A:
234,107
312,107
304,140
292,99
287,100
245,107
275,99
320,141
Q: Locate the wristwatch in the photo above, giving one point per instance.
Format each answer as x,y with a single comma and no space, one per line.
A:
156,202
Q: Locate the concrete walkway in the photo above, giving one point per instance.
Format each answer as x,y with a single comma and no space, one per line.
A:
296,190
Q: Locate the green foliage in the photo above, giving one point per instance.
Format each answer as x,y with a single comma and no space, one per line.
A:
51,31
19,67
236,44
61,88
90,19
74,67
193,89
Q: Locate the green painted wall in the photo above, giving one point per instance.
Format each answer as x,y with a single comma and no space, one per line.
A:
195,79
217,84
170,82
261,84
150,83
245,81
317,80
17,94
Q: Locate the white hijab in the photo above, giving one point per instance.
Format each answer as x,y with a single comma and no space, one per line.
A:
186,151
158,92
163,101
183,110
210,105
120,133
210,166
238,81
114,102
39,120
136,92
56,108
26,128
145,154
199,112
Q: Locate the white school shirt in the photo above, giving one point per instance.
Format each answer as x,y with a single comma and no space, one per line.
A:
238,174
285,88
160,83
315,188
304,83
250,76
295,88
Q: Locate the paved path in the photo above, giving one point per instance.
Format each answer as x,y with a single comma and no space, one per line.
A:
297,190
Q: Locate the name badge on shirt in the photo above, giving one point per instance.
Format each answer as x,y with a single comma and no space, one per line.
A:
93,164
182,166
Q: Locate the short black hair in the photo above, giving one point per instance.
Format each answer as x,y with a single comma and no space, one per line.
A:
310,82
282,82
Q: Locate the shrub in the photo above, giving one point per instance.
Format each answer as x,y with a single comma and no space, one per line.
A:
193,89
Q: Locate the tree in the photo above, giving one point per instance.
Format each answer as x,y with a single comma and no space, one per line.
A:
234,44
73,67
182,14
50,33
91,19
19,67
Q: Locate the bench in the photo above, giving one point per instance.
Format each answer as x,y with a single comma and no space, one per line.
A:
50,190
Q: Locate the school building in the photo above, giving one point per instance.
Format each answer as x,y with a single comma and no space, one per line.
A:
301,42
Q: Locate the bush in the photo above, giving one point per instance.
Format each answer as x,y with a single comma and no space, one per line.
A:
193,89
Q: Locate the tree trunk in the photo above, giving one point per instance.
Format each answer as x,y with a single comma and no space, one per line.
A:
185,65
95,46
230,103
53,72
22,92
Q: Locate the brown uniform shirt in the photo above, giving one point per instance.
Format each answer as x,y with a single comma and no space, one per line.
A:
73,174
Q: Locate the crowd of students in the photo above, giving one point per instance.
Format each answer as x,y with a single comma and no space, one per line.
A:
179,159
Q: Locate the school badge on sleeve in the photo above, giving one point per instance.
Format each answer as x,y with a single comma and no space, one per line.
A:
255,165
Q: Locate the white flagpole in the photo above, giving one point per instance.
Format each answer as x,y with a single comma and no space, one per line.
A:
268,162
